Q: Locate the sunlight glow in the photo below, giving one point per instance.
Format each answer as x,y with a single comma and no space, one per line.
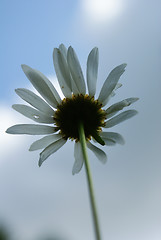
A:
100,11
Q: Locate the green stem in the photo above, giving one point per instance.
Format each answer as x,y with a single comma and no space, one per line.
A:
90,183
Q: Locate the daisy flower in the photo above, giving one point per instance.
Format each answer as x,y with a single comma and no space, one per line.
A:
78,106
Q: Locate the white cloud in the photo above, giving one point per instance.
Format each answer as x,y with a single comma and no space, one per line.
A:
9,143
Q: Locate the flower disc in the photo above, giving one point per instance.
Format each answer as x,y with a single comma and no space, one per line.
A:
78,109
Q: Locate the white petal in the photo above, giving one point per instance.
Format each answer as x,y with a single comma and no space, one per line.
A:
108,142
33,114
100,154
34,100
43,85
76,70
52,88
112,136
111,114
30,129
44,142
74,88
63,50
52,148
62,72
120,105
92,71
110,83
79,159
120,118
118,85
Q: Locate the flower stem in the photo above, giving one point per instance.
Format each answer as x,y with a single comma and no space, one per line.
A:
89,181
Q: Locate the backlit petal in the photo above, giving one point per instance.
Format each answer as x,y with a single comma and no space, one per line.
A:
120,118
34,100
30,129
110,83
52,148
112,137
78,155
120,105
100,154
63,50
76,70
33,114
92,71
44,142
42,85
62,72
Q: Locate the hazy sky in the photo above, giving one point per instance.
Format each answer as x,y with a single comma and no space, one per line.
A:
49,199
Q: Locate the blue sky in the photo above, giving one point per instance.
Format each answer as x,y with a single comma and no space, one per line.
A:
29,32
49,199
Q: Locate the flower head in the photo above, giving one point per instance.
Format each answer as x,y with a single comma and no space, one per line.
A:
65,115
